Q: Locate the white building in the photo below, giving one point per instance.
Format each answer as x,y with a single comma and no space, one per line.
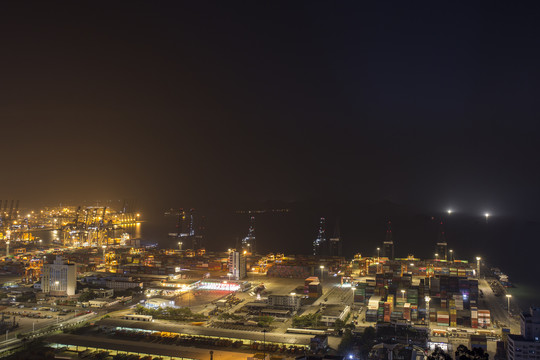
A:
237,265
155,303
290,302
122,285
59,278
333,312
526,345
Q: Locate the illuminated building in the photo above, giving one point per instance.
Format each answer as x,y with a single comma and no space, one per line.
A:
442,246
320,242
526,345
388,245
237,265
59,278
335,243
248,243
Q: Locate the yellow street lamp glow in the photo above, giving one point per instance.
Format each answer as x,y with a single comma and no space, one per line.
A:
478,258
322,266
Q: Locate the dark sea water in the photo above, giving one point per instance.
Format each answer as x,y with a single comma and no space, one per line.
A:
509,244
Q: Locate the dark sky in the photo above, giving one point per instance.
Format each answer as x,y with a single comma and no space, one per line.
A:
432,104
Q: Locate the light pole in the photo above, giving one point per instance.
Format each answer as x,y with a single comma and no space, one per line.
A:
451,255
322,272
104,247
403,294
427,299
508,296
180,245
378,255
264,344
436,256
487,216
478,258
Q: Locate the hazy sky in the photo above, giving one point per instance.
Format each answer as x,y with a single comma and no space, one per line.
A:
427,103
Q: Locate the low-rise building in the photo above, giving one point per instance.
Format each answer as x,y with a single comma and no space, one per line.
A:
333,312
289,302
99,303
159,303
123,284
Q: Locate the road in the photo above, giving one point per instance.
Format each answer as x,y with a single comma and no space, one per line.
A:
497,307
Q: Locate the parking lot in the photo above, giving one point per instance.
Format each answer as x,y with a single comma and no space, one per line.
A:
37,317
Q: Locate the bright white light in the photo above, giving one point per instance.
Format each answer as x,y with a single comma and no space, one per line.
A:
486,215
449,211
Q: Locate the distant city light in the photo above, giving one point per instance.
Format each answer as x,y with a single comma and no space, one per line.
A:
449,211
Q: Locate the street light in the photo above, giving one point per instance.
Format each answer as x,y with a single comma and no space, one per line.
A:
322,272
451,255
436,256
403,294
378,255
487,216
478,258
508,296
449,211
180,245
264,343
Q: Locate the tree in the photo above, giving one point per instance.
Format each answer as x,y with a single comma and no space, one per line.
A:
439,354
87,296
346,343
339,324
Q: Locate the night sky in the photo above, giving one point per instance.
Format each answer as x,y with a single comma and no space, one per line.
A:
429,104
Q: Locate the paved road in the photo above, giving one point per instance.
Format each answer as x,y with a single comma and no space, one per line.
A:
147,348
497,307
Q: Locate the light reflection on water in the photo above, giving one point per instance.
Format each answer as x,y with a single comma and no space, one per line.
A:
148,232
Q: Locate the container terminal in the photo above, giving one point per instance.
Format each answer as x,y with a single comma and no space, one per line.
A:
90,286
